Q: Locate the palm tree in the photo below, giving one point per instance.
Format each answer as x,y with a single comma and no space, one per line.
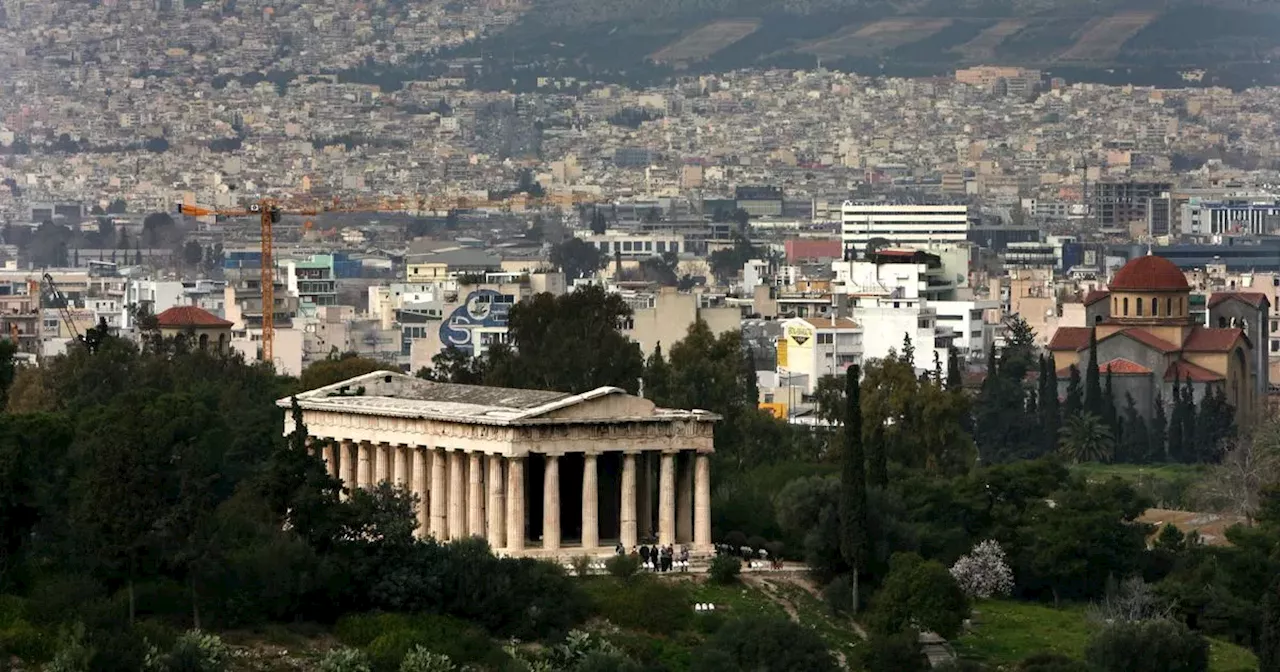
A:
1086,438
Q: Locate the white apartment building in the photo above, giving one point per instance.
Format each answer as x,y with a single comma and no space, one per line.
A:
914,226
813,347
156,296
638,245
887,322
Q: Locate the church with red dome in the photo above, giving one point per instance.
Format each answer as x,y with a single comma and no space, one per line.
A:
1150,340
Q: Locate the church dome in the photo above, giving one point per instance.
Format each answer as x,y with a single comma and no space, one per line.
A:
1149,274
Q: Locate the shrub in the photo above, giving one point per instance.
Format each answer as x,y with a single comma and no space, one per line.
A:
622,566
839,595
60,598
359,630
581,565
194,651
643,603
345,660
23,640
767,643
1147,646
724,569
894,652
984,573
460,641
74,652
422,660
919,593
1051,662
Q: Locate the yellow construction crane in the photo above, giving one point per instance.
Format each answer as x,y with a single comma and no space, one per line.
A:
269,211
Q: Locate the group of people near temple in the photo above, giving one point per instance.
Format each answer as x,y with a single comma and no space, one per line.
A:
660,558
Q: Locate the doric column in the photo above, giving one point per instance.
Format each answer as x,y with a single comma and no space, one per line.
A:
702,503
439,495
627,524
590,503
475,496
330,461
347,464
551,504
515,504
400,475
667,500
644,484
364,473
497,520
380,467
684,498
457,495
418,467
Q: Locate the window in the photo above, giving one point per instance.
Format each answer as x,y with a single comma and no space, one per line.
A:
1155,307
662,246
1275,346
1222,323
1139,306
1097,319
1168,307
1126,306
825,339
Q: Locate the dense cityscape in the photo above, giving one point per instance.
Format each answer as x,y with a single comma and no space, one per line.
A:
335,339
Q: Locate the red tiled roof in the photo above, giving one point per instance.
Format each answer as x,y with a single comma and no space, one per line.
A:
1255,299
799,249
190,316
1070,338
1147,338
1123,367
1184,370
1212,340
1149,273
1095,296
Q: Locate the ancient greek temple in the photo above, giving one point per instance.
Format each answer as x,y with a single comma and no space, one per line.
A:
536,473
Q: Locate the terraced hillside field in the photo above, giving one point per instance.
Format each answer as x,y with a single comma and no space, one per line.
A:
705,41
983,47
874,38
1103,38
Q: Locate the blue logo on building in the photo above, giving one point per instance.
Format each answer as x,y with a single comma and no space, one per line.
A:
483,308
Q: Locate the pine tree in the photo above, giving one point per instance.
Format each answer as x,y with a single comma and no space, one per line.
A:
853,486
908,351
1092,385
1074,404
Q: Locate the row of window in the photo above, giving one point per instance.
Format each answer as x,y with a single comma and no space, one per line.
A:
1121,306
659,247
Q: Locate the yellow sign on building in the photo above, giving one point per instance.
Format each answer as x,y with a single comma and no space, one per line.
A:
776,409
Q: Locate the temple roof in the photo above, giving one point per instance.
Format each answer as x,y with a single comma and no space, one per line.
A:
399,395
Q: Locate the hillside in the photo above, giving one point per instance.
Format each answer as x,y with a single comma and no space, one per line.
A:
641,41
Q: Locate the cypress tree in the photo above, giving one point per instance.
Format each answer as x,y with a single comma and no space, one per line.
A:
1033,410
954,382
1189,423
937,368
1092,385
1206,434
1173,434
1109,414
1049,406
908,351
1269,646
1074,404
853,486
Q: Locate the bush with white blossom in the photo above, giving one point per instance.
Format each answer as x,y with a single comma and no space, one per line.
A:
983,572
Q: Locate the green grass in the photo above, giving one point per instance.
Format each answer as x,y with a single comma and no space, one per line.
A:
1006,631
1166,485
